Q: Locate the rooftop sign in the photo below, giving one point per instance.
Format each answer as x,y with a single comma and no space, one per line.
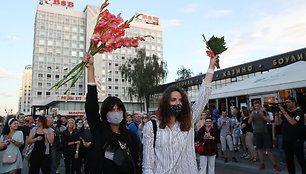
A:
61,3
148,18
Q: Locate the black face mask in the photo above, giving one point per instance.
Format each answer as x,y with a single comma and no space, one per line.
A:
176,109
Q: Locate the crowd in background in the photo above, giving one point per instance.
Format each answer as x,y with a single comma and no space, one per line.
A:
56,139
259,128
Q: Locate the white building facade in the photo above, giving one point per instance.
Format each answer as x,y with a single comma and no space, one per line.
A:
25,91
60,39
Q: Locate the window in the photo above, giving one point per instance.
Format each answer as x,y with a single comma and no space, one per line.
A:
80,86
49,67
122,80
39,93
116,64
48,84
40,75
116,72
80,93
109,79
123,58
109,87
109,71
116,87
47,93
109,64
116,80
48,76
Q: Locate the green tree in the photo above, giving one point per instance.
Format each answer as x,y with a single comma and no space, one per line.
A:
183,73
144,73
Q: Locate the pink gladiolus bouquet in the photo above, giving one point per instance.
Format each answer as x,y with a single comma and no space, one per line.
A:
108,35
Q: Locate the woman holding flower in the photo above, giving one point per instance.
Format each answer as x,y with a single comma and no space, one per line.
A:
174,151
109,132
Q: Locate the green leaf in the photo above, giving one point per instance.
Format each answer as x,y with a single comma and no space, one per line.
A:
217,45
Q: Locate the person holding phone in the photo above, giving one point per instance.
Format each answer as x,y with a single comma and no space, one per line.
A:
225,125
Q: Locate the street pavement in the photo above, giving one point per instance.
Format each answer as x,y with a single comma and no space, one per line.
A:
241,167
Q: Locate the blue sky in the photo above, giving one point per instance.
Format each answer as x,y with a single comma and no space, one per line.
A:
252,30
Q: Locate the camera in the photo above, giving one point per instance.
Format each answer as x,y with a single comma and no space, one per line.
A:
274,107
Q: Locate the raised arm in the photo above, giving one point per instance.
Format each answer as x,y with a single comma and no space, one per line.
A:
91,105
205,91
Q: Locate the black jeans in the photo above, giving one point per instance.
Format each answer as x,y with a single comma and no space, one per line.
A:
37,163
294,148
72,165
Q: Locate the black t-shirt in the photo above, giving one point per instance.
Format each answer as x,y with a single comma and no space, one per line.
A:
293,132
248,127
26,131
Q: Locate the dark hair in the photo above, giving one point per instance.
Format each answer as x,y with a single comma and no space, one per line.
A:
19,115
164,110
245,111
107,106
209,118
6,129
43,120
223,111
292,99
257,102
77,120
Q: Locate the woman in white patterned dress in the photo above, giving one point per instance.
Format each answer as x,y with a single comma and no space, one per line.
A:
174,151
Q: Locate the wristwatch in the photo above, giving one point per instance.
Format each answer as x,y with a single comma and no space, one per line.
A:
76,151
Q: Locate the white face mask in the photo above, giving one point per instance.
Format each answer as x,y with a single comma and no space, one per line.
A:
114,118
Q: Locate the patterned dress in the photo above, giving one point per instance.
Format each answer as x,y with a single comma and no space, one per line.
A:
12,149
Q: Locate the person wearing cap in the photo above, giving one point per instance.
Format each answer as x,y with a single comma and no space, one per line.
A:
293,131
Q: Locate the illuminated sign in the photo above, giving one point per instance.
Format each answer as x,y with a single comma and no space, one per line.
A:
146,17
61,3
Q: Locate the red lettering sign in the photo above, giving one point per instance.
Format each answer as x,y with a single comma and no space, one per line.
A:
59,2
70,4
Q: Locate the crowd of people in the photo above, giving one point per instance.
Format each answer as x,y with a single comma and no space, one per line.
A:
259,128
109,140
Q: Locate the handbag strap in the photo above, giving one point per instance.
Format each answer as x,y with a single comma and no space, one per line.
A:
154,131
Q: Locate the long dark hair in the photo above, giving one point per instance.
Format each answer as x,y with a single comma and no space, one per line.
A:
6,129
164,110
107,106
43,120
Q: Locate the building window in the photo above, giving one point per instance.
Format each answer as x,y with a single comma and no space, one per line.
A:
72,93
116,72
109,87
40,75
48,76
47,93
109,64
123,58
39,93
57,76
116,87
122,80
109,79
80,93
116,64
116,80
80,86
109,71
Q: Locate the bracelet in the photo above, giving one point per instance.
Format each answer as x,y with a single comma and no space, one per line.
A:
211,71
91,83
285,113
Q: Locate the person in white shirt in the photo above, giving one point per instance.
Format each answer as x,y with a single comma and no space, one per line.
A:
173,151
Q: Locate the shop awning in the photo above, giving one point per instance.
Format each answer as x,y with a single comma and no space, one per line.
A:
288,77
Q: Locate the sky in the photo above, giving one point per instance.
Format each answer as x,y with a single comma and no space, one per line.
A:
252,29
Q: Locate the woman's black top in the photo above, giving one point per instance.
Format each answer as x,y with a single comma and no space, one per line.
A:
248,127
97,159
39,149
67,137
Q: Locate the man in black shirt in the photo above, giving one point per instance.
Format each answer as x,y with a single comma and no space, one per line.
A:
25,130
293,138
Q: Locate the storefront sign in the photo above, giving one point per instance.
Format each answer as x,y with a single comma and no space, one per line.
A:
72,98
146,17
289,59
61,3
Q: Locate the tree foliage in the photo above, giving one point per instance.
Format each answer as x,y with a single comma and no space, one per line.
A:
144,74
183,73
